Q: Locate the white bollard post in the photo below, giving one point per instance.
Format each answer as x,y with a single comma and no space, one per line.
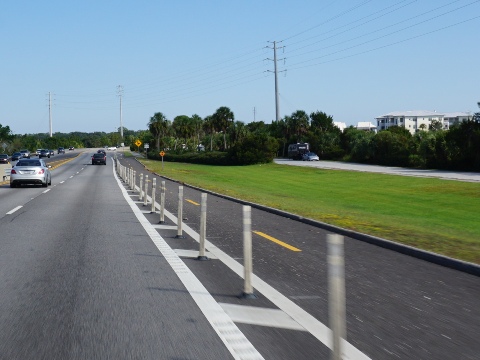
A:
146,191
134,180
180,214
336,293
140,195
162,204
203,227
247,253
154,189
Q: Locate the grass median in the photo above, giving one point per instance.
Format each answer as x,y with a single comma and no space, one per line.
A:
437,215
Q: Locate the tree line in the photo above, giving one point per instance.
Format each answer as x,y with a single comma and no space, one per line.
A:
220,139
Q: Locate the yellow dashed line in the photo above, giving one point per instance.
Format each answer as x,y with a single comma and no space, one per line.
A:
268,237
192,202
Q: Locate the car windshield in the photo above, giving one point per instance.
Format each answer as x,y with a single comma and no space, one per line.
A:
2,156
29,163
98,155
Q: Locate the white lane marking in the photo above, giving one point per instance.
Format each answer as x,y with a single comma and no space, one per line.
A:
71,176
61,182
13,210
46,191
255,315
166,227
235,341
310,323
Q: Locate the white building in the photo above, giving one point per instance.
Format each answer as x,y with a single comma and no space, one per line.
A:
341,125
366,126
415,121
450,119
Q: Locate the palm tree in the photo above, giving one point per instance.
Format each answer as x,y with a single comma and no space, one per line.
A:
222,119
158,126
209,128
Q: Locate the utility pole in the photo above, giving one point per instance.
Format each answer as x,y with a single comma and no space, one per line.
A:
50,112
120,93
254,114
277,102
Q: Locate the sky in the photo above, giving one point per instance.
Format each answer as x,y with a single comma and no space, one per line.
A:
76,61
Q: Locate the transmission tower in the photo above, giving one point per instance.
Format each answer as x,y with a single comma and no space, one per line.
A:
120,93
277,102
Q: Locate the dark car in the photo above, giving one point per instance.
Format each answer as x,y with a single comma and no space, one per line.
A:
52,153
61,150
101,151
44,153
4,159
16,156
71,148
99,158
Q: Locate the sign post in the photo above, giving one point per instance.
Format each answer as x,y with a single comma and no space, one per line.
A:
162,154
146,147
138,143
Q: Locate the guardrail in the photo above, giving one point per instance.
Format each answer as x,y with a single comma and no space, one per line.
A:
5,170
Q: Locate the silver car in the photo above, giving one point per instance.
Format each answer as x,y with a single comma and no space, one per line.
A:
310,156
30,171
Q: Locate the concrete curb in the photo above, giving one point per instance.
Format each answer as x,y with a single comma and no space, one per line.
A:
463,266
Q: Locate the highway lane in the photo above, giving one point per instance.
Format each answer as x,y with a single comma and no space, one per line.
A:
397,306
96,276
81,279
61,170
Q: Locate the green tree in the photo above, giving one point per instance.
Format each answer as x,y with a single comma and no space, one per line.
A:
158,126
321,122
298,124
222,119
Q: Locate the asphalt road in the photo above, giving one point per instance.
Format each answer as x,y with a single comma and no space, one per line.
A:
390,170
88,273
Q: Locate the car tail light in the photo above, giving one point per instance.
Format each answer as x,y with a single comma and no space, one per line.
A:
13,171
41,171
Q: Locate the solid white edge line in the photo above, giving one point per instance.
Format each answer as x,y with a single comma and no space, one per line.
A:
14,209
310,323
235,341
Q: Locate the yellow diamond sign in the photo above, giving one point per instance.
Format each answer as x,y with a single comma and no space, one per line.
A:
138,143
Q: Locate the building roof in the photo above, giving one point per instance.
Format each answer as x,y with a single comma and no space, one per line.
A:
417,113
366,124
456,114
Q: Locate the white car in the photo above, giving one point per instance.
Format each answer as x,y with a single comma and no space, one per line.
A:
113,148
310,156
30,171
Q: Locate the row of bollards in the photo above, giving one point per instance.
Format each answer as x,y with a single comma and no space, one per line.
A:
335,254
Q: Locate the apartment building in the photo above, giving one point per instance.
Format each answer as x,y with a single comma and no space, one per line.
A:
418,120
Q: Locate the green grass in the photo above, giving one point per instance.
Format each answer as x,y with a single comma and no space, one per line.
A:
432,214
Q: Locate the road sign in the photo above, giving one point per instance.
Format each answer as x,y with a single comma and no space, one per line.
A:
162,153
146,146
138,143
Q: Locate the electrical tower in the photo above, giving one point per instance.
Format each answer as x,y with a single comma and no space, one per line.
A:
120,93
50,113
277,102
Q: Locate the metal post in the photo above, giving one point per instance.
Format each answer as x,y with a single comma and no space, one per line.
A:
146,191
162,203
203,227
247,253
154,189
336,293
140,195
180,214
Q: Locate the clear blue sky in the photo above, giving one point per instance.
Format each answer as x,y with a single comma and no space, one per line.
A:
354,60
